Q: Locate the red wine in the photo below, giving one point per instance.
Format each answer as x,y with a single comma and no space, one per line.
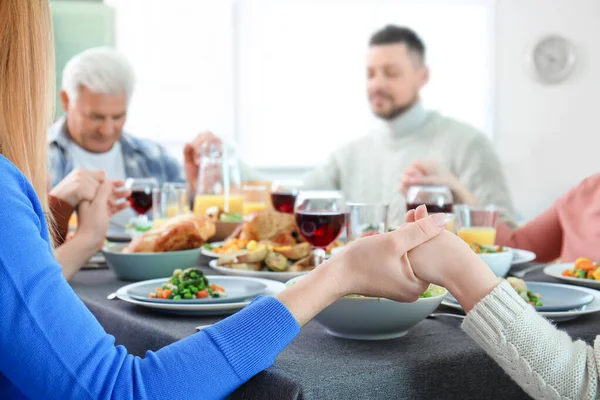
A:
320,228
283,202
432,208
141,201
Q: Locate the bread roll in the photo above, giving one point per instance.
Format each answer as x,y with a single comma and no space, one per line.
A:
183,232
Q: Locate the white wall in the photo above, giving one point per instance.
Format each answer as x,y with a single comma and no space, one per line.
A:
547,136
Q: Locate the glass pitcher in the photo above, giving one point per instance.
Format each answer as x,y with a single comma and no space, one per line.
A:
219,181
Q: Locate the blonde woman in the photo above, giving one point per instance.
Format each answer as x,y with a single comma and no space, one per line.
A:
51,346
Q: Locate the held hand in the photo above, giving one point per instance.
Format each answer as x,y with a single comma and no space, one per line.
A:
93,217
448,261
375,266
378,265
192,153
117,201
78,186
432,173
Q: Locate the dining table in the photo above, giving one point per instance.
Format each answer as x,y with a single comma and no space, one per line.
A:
435,360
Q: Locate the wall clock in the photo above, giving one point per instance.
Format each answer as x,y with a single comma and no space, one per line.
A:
553,59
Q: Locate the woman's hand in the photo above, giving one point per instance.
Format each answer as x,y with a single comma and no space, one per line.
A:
378,265
94,216
448,261
373,266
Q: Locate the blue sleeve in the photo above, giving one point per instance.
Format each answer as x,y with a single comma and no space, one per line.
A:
52,347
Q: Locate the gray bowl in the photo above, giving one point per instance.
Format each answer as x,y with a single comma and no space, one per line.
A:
144,266
367,318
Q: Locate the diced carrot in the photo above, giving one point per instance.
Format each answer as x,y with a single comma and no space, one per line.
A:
589,274
202,294
585,264
217,288
567,272
166,293
152,295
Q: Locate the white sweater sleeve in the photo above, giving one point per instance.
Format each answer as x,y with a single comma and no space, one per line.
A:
544,361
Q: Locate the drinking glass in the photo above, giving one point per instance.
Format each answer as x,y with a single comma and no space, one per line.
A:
366,220
284,193
169,201
438,199
141,193
476,224
320,217
255,198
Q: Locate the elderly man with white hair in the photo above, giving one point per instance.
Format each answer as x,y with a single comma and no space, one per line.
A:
97,85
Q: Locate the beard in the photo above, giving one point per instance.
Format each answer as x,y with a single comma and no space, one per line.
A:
396,110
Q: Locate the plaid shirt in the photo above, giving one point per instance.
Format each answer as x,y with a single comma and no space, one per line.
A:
143,158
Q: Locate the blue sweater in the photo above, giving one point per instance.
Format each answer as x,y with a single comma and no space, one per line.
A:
52,347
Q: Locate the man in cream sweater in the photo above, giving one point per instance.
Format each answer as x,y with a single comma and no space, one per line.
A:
413,145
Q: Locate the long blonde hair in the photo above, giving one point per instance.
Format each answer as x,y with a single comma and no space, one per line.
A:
26,87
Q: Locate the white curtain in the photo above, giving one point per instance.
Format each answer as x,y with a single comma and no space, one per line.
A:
286,78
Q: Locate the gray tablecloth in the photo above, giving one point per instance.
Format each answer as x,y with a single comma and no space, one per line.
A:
435,360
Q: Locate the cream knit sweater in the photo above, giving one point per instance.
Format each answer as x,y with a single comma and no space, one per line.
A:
369,169
544,361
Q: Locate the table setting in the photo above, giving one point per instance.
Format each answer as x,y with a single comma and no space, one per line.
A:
154,290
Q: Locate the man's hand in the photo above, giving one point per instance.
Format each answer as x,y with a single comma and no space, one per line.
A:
192,154
78,186
432,173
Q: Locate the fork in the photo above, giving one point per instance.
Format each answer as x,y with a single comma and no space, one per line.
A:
436,315
522,273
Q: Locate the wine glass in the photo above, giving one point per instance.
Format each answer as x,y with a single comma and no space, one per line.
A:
283,195
438,199
141,193
320,218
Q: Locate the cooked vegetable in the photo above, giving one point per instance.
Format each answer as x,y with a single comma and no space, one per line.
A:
584,268
521,288
276,262
479,249
296,252
188,284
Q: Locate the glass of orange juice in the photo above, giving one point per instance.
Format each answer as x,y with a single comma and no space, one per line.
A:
476,224
169,201
255,198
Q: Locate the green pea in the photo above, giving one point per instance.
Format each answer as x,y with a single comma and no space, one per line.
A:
187,296
177,297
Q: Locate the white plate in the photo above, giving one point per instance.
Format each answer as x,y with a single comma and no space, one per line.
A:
201,309
212,254
555,271
522,256
556,316
237,289
278,276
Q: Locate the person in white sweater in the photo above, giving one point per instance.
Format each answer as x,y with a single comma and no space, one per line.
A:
544,361
413,145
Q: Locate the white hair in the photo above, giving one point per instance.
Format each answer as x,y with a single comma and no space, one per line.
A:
101,70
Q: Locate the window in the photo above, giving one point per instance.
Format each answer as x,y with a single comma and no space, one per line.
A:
286,78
